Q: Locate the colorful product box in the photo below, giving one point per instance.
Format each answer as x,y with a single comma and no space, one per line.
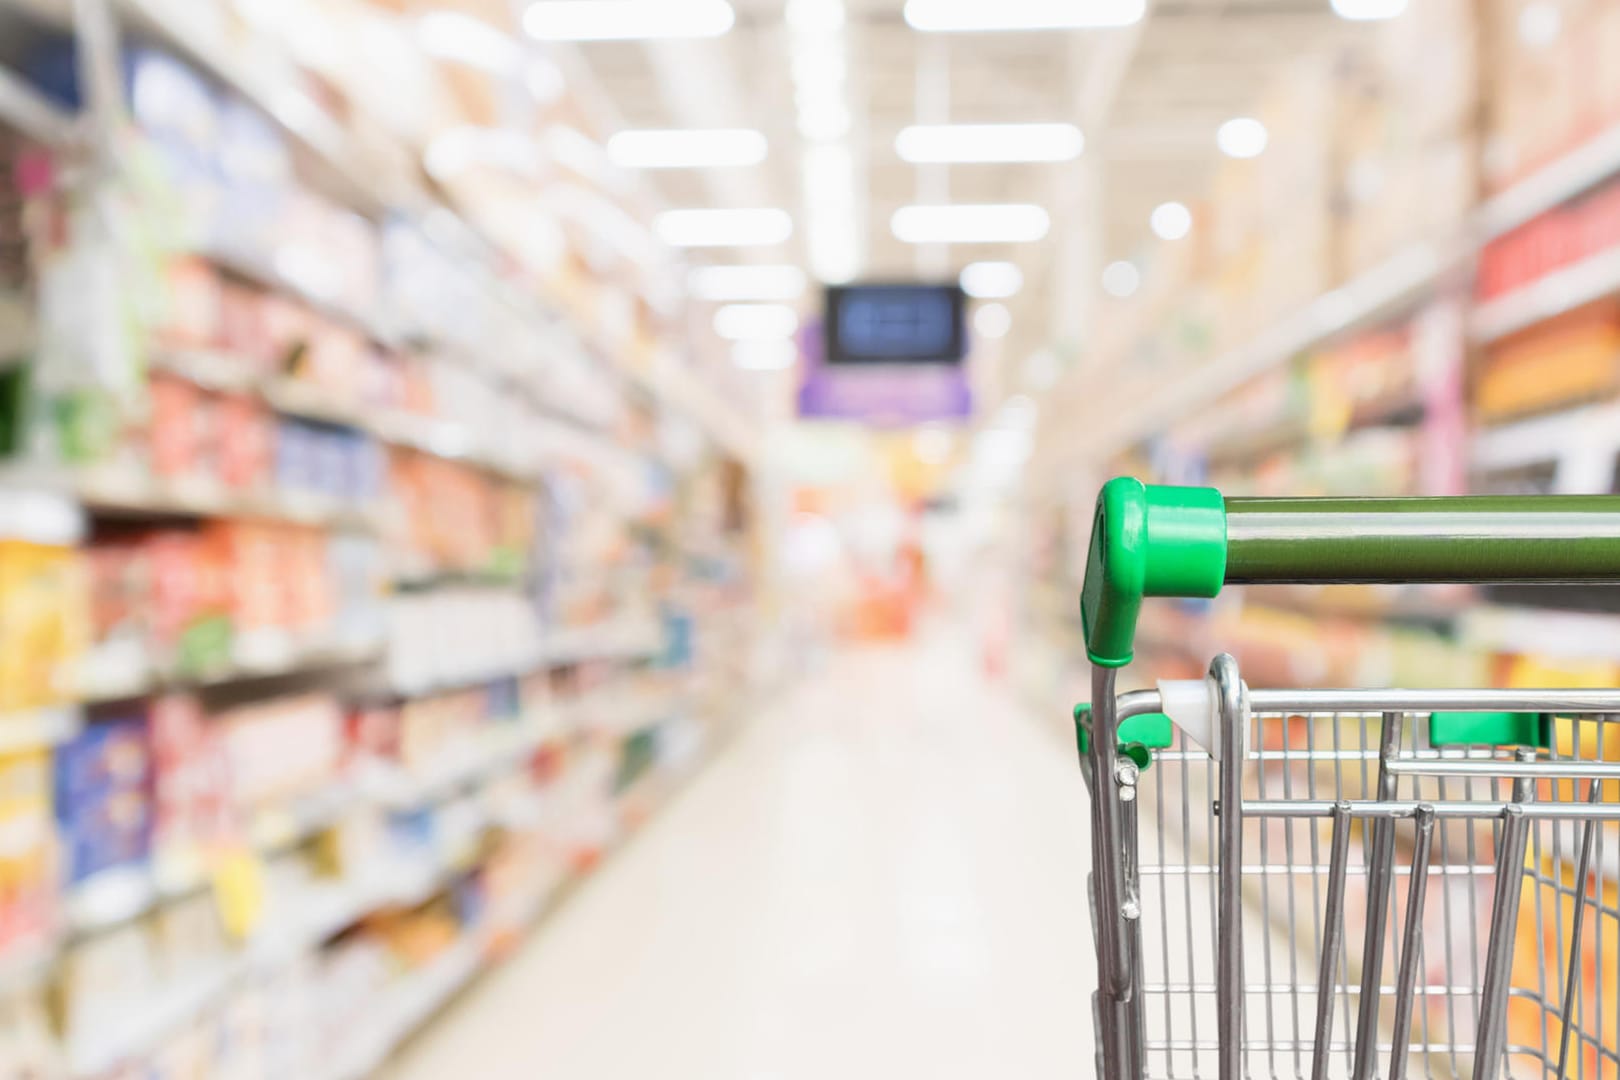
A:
44,623
103,797
28,850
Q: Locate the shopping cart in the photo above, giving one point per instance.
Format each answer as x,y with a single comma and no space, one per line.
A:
1348,883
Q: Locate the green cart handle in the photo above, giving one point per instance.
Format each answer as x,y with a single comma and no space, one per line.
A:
1150,540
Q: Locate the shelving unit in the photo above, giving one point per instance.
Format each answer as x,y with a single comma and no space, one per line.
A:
235,606
1507,310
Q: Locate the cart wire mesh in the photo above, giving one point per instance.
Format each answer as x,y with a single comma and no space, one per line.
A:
1358,920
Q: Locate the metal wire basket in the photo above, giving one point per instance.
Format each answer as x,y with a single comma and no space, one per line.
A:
1348,883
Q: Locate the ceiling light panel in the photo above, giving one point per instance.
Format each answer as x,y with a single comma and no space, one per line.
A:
1170,221
1242,137
945,144
713,148
992,280
984,223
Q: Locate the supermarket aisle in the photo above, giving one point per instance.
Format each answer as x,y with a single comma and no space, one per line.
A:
882,877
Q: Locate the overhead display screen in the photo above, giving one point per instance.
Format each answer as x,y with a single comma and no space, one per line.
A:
896,324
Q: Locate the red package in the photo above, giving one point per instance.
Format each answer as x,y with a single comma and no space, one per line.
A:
253,554
118,588
191,780
287,329
246,443
174,558
174,427
244,329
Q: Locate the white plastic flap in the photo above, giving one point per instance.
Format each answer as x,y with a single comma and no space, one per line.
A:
1194,706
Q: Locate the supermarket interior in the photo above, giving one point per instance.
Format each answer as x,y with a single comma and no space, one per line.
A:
547,537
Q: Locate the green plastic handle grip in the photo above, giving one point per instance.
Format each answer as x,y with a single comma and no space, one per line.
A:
1172,541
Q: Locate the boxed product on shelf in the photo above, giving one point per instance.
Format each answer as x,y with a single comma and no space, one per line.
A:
27,1044
256,175
283,749
195,303
1555,240
104,797
29,861
189,939
104,980
193,807
1550,89
1571,360
43,620
457,518
446,636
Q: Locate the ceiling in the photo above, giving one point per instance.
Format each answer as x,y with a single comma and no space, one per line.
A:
1148,97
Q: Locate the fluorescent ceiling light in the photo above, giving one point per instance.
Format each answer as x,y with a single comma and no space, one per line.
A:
450,35
712,148
1242,137
1171,221
983,223
756,322
776,355
1368,10
746,282
992,280
1121,279
724,228
958,15
930,144
627,20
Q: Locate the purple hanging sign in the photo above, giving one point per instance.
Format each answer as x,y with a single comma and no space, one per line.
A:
901,395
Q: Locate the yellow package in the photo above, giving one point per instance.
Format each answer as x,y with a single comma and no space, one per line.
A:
44,623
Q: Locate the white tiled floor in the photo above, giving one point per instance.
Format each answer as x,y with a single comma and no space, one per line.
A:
883,877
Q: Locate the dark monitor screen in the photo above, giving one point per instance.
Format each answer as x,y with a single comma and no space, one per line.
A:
895,324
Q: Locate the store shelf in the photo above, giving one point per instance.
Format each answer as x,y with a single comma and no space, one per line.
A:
1541,633
446,439
1547,188
1592,279
127,492
404,1008
503,750
1386,289
276,278
34,729
623,639
26,965
263,655
1590,432
301,118
166,1009
325,911
26,110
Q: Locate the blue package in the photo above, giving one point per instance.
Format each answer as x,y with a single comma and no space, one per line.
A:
104,798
